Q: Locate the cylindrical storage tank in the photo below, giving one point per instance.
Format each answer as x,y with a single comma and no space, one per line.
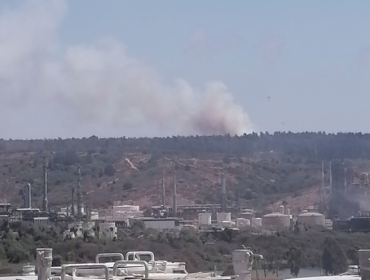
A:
282,211
242,223
364,263
223,217
204,219
275,221
287,211
311,219
256,222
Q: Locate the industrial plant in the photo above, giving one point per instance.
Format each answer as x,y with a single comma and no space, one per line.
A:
81,220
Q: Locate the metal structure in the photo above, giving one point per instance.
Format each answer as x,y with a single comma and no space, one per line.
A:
174,206
79,192
73,200
223,193
27,196
45,204
163,190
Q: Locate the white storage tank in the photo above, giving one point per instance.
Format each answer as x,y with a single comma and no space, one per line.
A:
108,231
204,219
275,221
311,219
256,222
242,223
223,217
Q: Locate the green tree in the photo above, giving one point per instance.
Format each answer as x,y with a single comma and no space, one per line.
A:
295,260
334,261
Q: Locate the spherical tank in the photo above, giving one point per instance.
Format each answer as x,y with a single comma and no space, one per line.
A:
311,219
275,221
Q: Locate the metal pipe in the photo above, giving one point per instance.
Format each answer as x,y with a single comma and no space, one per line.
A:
86,265
108,255
123,262
140,253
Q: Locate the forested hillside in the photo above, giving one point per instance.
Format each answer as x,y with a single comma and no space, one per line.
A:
261,169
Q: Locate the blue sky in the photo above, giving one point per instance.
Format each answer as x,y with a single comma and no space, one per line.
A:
312,58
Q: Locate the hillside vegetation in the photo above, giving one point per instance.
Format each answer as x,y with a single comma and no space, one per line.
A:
261,169
294,250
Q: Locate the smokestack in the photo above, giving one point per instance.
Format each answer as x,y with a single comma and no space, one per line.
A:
45,204
174,207
163,190
27,196
79,193
345,179
322,185
223,193
330,178
73,201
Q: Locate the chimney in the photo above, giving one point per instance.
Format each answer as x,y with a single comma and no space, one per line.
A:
174,207
223,193
330,178
73,201
27,196
163,190
45,204
79,192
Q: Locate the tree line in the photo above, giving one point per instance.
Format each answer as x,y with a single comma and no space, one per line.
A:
318,145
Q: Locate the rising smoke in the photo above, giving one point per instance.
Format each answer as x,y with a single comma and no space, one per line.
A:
86,87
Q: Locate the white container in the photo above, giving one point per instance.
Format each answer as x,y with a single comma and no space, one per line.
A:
204,219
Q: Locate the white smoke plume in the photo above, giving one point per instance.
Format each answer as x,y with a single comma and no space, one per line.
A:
80,89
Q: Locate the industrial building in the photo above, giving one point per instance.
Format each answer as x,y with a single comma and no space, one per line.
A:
159,224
